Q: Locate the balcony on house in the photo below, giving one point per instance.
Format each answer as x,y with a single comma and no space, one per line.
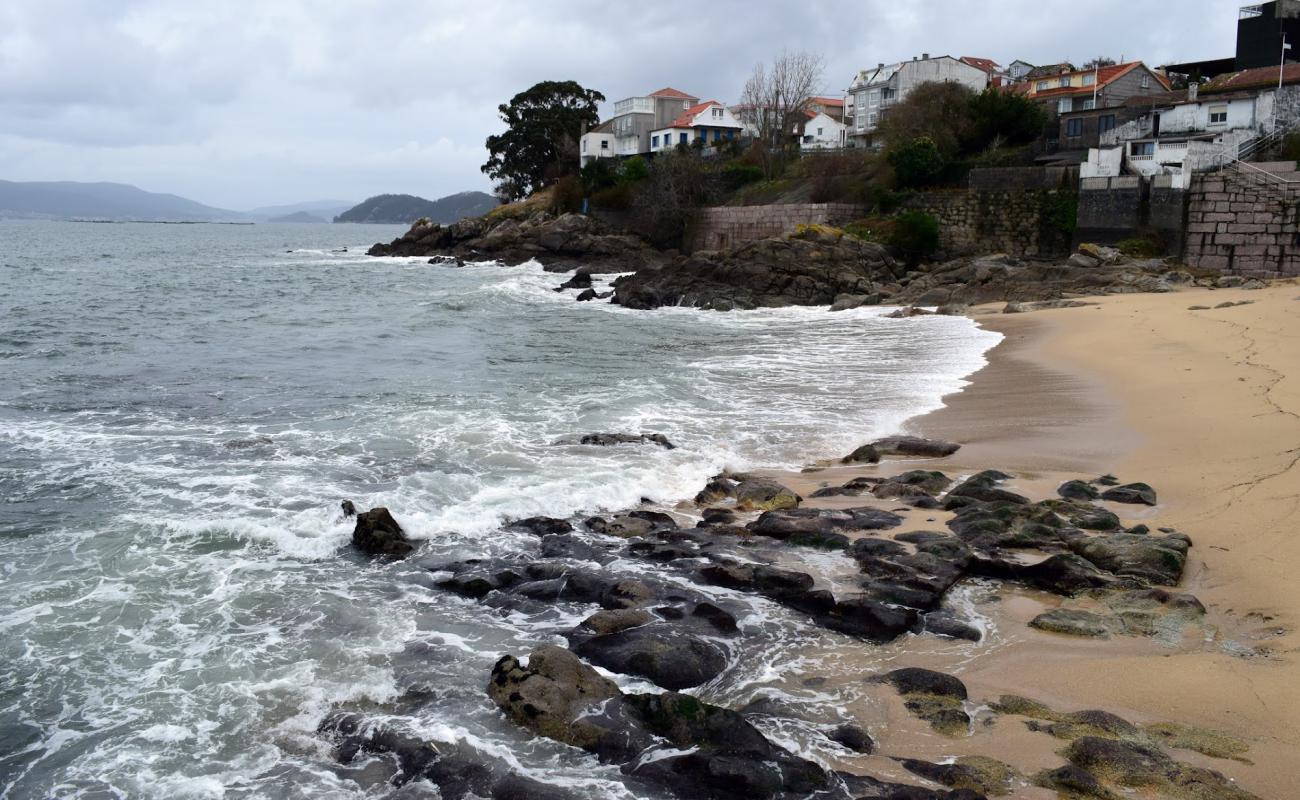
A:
635,105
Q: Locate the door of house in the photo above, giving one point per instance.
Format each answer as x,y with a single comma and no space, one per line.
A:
1155,124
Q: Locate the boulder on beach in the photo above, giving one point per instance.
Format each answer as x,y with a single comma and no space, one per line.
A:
1135,493
915,446
935,697
378,534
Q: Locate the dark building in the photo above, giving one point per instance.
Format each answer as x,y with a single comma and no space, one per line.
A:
1260,29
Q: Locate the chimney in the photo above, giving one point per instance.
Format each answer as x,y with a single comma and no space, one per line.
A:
1192,90
881,65
925,56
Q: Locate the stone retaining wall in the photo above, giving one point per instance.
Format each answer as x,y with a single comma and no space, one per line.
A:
1033,223
1243,226
724,227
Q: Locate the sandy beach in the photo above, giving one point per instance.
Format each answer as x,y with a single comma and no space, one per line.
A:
1205,406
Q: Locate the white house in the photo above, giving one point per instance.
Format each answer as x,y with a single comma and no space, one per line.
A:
822,132
1202,128
599,142
710,122
627,132
875,91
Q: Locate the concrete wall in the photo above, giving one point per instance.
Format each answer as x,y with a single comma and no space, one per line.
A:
723,227
1124,207
1241,225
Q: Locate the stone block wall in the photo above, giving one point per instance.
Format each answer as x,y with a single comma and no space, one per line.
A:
723,227
1128,206
1243,225
1019,223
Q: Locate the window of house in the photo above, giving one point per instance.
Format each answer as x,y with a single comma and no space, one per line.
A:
604,144
1106,123
1146,81
1142,149
807,140
1090,79
584,145
683,138
1042,85
686,104
1089,104
1218,115
1064,106
1074,127
1063,82
654,141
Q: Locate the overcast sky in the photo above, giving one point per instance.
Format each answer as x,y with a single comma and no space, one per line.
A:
241,104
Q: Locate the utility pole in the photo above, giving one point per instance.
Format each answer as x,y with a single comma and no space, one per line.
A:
1281,66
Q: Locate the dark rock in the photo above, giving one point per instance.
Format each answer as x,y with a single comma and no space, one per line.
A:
622,525
763,494
866,454
1078,490
917,680
982,486
757,578
610,439
349,510
915,446
378,534
765,273
944,623
852,737
580,280
1136,493
1151,559
1072,782
1131,764
586,295
1072,622
718,516
564,546
812,522
541,526
933,696
662,653
975,773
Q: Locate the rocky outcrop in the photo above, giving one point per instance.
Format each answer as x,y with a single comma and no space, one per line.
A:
559,242
767,273
378,534
1001,278
673,740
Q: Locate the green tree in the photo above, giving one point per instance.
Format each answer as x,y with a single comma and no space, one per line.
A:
917,163
939,112
540,145
1000,117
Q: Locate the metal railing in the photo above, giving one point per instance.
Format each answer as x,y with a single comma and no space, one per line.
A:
1237,163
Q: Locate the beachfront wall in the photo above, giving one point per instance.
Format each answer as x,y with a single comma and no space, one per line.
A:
723,227
1242,225
1027,223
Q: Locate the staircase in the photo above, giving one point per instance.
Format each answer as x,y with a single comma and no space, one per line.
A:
1278,177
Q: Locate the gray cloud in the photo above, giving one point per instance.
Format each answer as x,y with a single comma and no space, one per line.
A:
248,103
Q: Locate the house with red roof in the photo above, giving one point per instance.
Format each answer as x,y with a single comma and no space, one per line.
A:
710,123
1069,89
627,132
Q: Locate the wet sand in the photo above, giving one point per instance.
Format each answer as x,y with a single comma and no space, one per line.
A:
1204,406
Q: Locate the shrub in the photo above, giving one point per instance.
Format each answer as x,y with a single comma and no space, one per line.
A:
1148,244
918,163
884,200
1061,212
915,235
736,174
1289,150
872,229
997,116
567,194
599,174
613,198
634,169
813,230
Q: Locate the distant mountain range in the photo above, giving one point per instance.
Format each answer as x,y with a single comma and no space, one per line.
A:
122,202
406,208
298,216
115,201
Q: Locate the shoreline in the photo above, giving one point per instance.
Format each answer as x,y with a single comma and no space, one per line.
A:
1079,392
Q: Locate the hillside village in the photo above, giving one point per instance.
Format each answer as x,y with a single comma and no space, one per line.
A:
1138,133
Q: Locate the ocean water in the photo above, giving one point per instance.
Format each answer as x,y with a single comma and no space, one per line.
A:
183,407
